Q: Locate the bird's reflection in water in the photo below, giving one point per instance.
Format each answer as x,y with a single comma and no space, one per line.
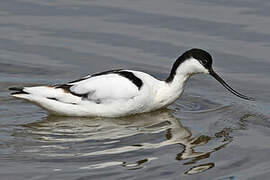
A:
58,133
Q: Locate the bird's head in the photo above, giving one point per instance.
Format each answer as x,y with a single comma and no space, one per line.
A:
198,61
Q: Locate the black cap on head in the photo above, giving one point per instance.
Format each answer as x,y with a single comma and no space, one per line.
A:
201,55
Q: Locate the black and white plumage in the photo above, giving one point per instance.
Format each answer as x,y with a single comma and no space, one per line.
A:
119,92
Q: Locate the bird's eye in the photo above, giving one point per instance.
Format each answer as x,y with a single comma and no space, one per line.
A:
203,62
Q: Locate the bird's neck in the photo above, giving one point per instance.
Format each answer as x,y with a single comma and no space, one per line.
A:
171,91
176,86
172,88
180,73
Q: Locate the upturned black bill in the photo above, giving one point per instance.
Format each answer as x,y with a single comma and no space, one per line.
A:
219,79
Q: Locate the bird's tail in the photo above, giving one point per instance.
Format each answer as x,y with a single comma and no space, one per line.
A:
29,93
19,92
54,100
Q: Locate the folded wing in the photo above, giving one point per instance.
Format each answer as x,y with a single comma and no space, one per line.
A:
104,88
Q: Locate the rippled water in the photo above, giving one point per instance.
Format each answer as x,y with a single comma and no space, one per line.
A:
207,134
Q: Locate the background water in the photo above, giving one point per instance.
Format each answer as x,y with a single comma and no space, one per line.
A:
207,134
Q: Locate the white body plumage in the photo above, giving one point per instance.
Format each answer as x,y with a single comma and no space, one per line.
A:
109,95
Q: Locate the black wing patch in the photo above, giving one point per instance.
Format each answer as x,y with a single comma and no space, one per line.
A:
66,88
129,75
96,74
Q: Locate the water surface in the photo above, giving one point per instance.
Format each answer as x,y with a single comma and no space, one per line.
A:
207,134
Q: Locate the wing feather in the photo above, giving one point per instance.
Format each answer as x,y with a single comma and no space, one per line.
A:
104,87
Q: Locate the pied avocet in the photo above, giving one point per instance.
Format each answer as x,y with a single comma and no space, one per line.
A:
121,92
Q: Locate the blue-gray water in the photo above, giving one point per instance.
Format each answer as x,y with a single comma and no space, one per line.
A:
208,134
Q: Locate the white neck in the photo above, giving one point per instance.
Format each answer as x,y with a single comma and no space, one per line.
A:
172,90
169,92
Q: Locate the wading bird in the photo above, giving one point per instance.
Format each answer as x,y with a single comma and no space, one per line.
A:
121,92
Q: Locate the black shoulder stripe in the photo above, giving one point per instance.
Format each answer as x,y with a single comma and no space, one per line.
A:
106,72
96,74
129,75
